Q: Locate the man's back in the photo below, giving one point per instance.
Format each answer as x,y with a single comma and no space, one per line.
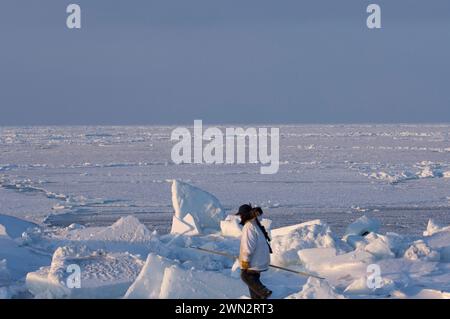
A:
254,247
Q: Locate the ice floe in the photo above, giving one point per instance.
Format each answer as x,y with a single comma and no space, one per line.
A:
424,169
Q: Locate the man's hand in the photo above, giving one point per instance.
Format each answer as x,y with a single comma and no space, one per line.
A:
245,265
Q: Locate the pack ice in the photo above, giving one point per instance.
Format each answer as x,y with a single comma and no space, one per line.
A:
195,210
128,260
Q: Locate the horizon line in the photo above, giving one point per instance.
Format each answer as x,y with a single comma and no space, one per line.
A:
226,124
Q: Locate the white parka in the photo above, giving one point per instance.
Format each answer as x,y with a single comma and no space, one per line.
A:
254,248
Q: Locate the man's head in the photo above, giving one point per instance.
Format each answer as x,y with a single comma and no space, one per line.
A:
246,212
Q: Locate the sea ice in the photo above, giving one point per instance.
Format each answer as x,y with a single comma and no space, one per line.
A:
110,258
433,228
126,234
102,274
204,207
287,241
420,250
361,288
179,283
362,226
378,246
148,284
164,278
186,226
316,289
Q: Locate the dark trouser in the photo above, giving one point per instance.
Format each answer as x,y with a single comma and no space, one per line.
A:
256,288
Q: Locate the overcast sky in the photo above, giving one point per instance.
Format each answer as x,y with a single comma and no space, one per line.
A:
224,61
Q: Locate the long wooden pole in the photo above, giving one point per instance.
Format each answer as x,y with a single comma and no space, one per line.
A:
302,273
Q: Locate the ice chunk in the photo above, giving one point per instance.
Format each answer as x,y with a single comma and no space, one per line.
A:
75,226
438,239
379,246
187,226
316,255
162,278
204,207
433,228
180,284
420,250
192,257
393,178
355,241
126,234
361,287
362,226
431,294
3,231
127,229
287,241
397,243
283,231
324,260
316,289
102,275
429,170
148,284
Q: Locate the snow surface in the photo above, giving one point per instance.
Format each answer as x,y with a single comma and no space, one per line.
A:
316,289
108,209
174,268
111,260
103,275
94,175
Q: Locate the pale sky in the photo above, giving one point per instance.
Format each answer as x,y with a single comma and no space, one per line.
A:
227,61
